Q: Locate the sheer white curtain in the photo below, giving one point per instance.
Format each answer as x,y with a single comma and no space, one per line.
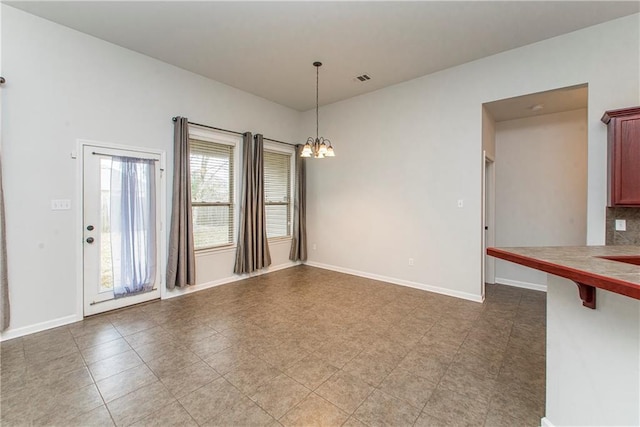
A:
133,225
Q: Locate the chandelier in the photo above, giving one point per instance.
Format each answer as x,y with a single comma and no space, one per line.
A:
319,147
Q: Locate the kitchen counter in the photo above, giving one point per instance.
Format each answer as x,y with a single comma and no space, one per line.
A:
587,266
592,356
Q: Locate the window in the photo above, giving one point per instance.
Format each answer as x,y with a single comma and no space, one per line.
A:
212,191
277,192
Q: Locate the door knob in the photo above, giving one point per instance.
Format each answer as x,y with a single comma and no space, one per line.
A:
90,227
90,239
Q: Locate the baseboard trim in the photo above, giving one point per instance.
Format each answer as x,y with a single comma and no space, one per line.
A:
544,422
226,280
38,327
519,284
401,282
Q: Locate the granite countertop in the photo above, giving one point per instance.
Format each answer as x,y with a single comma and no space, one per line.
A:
582,265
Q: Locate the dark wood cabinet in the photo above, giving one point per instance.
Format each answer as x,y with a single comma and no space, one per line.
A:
624,156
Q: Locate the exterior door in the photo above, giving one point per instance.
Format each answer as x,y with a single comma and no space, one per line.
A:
121,228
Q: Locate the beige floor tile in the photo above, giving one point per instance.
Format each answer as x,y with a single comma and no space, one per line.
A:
354,422
243,413
225,360
98,417
468,383
338,352
71,405
311,371
409,387
63,384
40,355
248,376
53,370
314,411
173,415
369,367
140,403
127,326
125,382
114,365
514,402
426,420
105,350
454,408
101,336
156,350
279,394
283,356
496,417
192,334
211,400
148,336
430,366
381,409
166,365
345,391
210,345
188,379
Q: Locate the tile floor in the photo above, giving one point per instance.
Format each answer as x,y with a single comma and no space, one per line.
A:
301,346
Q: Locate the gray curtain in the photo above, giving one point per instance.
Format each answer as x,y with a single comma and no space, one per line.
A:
299,239
181,266
5,313
253,247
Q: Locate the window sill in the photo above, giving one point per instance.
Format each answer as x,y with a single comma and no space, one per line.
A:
279,240
216,250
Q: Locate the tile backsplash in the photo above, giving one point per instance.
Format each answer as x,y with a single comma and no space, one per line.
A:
629,237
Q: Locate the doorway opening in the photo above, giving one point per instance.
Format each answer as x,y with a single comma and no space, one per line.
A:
488,220
540,176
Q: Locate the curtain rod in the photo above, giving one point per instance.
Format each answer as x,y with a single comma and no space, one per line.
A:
232,131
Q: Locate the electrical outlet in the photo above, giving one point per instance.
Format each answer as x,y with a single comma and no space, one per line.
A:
621,225
61,205
314,247
410,262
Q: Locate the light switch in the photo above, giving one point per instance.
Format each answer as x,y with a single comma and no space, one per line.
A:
61,205
460,203
621,225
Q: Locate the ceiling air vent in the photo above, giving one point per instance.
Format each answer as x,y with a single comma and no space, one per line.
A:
363,77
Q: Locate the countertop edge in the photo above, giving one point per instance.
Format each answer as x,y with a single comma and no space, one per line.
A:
582,277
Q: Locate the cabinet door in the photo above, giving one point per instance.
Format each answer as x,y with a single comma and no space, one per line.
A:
627,161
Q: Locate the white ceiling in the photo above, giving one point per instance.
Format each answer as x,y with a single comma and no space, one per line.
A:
267,48
537,104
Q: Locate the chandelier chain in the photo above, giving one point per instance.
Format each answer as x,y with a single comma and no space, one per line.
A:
317,84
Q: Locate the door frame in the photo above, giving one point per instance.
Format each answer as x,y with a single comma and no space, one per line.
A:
79,211
488,218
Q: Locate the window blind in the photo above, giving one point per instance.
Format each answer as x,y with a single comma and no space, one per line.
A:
211,193
277,193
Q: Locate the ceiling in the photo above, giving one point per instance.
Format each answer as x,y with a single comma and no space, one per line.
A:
267,48
537,104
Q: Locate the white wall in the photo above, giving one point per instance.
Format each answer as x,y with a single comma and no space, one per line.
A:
593,358
407,153
541,187
63,85
488,133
